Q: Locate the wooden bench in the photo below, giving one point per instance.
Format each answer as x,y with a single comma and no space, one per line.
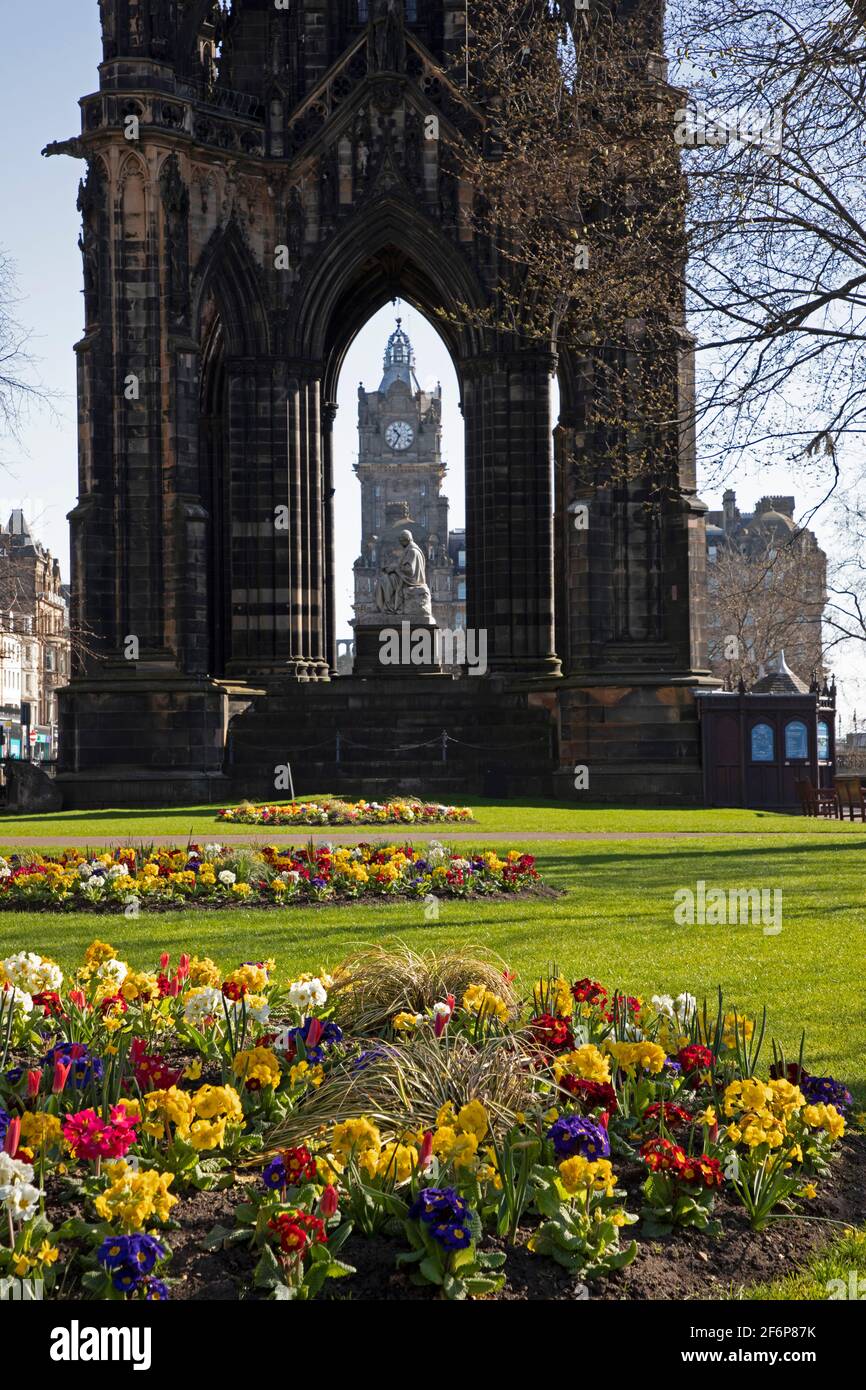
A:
814,802
849,792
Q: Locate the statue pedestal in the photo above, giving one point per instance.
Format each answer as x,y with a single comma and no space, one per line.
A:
400,648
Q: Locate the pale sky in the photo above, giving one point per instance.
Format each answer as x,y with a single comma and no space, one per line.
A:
39,228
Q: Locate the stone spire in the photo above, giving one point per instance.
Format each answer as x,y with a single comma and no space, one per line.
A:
399,361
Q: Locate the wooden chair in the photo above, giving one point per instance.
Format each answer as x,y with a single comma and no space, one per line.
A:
849,791
814,802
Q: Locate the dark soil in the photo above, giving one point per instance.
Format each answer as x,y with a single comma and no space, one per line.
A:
685,1266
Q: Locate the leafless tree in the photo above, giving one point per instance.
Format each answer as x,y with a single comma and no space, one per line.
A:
763,601
732,186
20,389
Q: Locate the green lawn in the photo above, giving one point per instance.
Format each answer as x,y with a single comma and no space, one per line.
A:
517,817
614,921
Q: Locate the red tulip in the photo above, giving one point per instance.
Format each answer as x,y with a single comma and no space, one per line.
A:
76,997
164,960
425,1153
604,1119
34,1081
314,1032
183,968
13,1137
329,1202
61,1076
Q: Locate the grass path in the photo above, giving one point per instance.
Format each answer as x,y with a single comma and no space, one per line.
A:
614,920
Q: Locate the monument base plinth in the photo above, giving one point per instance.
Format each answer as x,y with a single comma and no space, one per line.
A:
401,648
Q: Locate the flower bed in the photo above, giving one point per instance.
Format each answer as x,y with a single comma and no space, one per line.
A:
222,876
415,1107
338,812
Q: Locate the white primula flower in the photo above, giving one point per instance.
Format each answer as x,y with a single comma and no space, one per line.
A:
686,1006
227,877
664,1005
30,972
290,876
13,1170
114,971
118,871
307,994
22,1002
212,851
442,1010
258,1008
284,1043
84,871
22,1201
201,1004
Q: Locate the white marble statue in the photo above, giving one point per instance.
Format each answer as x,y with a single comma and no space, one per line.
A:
402,589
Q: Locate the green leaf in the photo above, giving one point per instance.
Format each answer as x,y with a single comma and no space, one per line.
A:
431,1270
267,1271
217,1237
461,1259
478,1285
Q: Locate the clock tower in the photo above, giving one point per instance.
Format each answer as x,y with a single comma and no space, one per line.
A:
401,471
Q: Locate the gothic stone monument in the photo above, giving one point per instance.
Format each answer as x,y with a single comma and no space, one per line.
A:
257,183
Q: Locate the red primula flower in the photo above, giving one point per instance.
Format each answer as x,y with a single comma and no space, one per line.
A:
702,1171
49,1001
662,1155
300,1165
296,1230
675,1116
695,1057
89,1136
588,991
590,1095
553,1034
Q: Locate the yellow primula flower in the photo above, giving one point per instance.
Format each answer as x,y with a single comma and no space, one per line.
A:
397,1161
258,1064
213,1101
40,1130
824,1117
586,1062
133,1199
630,1056
483,1002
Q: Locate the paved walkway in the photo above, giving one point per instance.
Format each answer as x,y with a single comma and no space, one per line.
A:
375,834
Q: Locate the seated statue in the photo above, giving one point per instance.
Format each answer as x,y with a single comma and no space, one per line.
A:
402,589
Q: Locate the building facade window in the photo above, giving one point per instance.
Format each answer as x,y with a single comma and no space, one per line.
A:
796,740
823,741
763,742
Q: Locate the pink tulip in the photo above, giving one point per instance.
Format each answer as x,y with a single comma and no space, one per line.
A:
425,1153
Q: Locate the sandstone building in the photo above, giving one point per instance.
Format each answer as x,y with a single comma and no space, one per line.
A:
34,642
766,589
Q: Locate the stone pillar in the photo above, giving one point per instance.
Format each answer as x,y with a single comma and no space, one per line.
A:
328,417
509,521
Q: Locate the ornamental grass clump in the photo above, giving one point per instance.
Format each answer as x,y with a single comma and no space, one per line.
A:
378,984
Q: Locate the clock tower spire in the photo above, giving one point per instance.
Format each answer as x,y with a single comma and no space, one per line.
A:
401,472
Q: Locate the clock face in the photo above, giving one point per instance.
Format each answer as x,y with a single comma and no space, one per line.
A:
399,434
